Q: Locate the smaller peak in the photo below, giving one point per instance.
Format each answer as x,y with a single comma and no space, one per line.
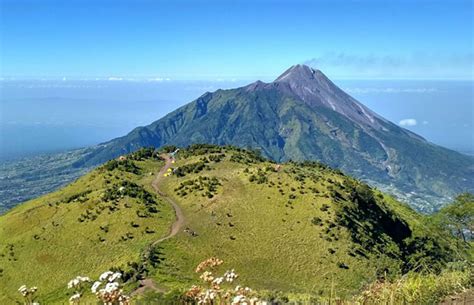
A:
255,85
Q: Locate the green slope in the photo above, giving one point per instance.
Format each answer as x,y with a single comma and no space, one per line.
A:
299,228
283,127
75,231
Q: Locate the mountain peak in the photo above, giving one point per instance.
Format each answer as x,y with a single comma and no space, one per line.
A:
316,89
298,73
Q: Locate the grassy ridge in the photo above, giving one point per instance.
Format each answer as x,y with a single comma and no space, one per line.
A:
283,228
299,228
48,241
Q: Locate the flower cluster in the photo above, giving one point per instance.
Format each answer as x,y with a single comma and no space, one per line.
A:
243,296
75,298
215,292
28,294
111,292
25,291
77,284
77,281
230,276
209,263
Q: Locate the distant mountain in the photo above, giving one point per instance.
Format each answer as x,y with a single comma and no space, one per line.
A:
302,115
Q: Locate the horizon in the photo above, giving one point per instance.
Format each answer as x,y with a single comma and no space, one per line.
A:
70,114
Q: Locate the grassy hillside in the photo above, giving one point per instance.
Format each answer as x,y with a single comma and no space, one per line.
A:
83,229
300,228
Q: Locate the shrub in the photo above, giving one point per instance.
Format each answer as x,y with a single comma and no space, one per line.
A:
124,165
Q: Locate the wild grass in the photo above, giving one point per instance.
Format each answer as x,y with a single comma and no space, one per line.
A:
413,288
417,288
281,229
295,232
44,243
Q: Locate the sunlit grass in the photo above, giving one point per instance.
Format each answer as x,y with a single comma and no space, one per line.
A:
43,243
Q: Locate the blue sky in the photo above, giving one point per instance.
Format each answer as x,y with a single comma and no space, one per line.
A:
236,39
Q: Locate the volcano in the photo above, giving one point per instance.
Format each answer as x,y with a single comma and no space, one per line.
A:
303,115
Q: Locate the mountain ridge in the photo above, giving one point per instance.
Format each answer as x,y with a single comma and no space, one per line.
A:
303,115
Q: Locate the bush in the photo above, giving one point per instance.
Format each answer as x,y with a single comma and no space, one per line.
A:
191,168
144,153
123,165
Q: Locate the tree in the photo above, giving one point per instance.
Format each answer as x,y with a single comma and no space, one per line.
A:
458,217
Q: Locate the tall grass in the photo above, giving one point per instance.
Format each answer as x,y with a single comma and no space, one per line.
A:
417,288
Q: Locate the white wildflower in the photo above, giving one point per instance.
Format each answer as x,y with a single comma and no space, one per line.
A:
75,297
238,299
230,276
73,283
210,295
95,286
111,287
115,276
104,276
23,288
218,280
83,279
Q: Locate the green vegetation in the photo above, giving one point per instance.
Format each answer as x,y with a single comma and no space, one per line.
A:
83,229
283,126
339,233
125,165
458,217
206,186
294,231
417,288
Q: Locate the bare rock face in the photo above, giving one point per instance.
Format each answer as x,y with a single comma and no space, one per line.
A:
314,88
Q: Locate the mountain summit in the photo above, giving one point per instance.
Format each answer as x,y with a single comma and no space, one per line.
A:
303,115
314,88
299,74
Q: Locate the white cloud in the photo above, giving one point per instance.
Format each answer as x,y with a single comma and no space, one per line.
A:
425,122
159,79
115,78
407,122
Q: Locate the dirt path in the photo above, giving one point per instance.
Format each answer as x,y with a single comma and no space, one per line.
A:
147,283
179,222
